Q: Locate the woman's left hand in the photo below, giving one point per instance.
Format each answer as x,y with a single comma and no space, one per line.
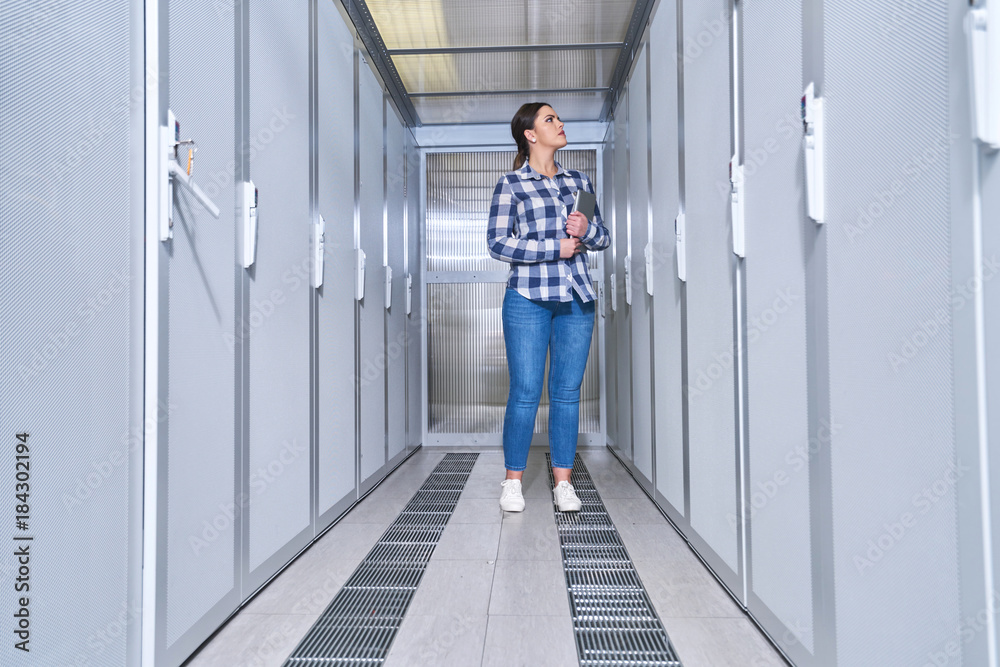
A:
576,224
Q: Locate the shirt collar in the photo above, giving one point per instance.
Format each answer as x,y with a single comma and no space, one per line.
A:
527,171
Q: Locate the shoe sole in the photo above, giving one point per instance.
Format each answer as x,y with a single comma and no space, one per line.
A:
513,509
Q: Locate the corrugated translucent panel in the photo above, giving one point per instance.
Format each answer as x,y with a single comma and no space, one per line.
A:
467,373
506,70
501,108
459,190
443,23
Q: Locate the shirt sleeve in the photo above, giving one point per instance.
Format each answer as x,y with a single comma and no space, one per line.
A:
596,236
500,232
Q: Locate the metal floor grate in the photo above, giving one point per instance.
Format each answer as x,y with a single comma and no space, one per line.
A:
358,627
613,619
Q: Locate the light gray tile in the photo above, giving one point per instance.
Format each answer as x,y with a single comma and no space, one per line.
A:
531,540
452,640
634,510
403,483
376,509
477,510
454,587
683,588
719,642
530,641
536,510
305,587
254,640
652,542
529,587
347,541
468,541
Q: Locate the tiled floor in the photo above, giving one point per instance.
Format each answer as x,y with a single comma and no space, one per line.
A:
494,592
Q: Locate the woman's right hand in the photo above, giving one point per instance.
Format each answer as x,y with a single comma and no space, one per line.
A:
569,246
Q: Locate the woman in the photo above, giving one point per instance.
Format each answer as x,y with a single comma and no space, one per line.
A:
549,301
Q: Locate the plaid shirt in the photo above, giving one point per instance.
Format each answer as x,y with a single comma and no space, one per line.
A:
527,218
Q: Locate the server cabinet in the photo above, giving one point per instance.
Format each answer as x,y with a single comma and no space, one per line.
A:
276,290
779,241
413,269
336,344
894,467
710,390
642,302
371,376
71,331
201,336
668,435
623,315
609,324
396,336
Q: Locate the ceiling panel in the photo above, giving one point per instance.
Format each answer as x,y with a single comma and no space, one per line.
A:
461,23
506,70
501,108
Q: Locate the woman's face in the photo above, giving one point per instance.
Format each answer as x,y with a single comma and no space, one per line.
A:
548,130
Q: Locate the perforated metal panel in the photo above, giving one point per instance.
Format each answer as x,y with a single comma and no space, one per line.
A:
638,194
459,189
610,328
455,23
337,427
201,335
468,380
778,380
509,70
396,336
623,316
710,279
501,108
278,373
666,286
71,320
372,310
890,305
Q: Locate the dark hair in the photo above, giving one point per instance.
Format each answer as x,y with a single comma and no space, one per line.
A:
523,120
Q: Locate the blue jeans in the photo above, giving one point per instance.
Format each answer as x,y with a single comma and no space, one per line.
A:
530,329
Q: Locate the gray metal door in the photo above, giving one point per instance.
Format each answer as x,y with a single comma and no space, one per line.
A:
894,463
277,288
337,454
623,316
642,302
414,266
396,333
711,396
71,330
372,306
667,288
200,340
778,239
610,279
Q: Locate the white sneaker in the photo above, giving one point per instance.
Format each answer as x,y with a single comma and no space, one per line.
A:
511,499
565,497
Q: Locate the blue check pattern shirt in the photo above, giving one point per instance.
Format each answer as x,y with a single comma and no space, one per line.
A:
527,219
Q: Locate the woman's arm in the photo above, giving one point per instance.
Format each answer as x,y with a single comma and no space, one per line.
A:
500,239
596,236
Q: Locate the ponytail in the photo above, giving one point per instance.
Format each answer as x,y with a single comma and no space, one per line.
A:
523,120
